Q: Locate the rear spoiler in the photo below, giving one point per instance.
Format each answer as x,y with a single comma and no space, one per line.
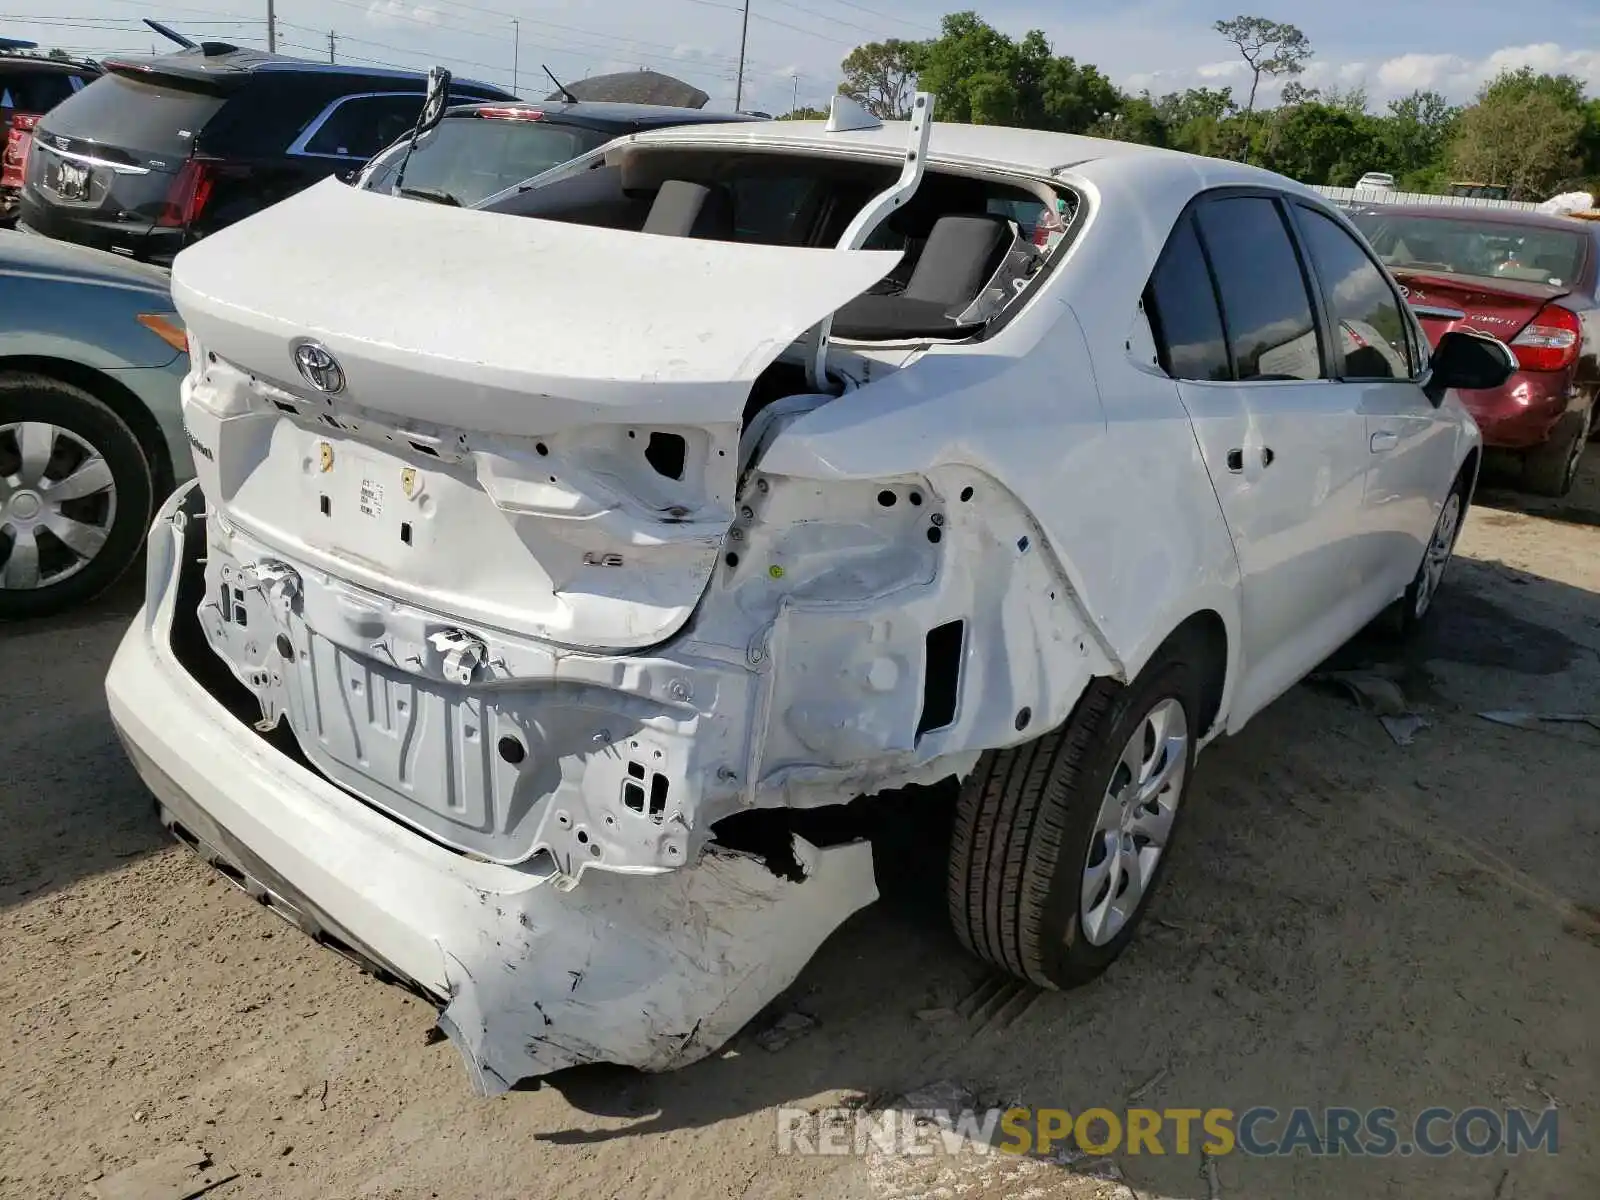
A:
216,83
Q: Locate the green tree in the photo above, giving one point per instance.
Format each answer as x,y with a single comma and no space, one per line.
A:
1526,131
805,114
1415,134
1319,143
1268,48
882,77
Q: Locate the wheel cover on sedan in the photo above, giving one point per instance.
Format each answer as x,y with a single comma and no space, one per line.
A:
58,502
1135,821
1437,556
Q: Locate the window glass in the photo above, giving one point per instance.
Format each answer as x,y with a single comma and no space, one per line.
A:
1187,325
1370,327
1465,244
767,208
471,158
1265,306
144,119
360,127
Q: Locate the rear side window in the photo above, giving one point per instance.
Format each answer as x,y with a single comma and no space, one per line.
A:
144,120
1266,308
37,91
1368,325
362,125
1182,306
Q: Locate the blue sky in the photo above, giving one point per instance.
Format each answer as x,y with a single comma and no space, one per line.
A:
1387,46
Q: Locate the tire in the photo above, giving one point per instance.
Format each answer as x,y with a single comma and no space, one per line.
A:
1021,853
1549,470
1423,590
58,552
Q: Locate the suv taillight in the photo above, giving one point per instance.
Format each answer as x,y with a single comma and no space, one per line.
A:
1551,340
186,198
18,140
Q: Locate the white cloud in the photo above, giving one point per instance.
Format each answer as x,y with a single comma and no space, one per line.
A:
1457,77
390,13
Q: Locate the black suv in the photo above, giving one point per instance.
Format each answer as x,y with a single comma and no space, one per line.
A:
480,150
160,152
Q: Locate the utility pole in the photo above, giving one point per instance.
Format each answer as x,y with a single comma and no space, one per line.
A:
794,103
272,28
516,51
332,37
744,36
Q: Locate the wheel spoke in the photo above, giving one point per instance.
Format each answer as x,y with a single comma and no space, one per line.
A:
1108,872
1096,876
22,564
1167,767
36,441
1153,823
92,476
82,539
1130,868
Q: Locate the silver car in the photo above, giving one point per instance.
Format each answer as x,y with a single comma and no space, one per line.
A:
91,434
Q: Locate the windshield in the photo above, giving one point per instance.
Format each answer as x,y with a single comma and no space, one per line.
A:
469,158
1487,249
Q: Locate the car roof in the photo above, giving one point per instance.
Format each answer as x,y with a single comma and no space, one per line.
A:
1523,217
636,115
1029,151
12,63
222,61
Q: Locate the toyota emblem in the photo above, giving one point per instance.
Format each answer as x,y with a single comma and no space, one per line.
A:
319,368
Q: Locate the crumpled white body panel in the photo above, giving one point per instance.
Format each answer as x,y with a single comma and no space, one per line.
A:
653,972
650,972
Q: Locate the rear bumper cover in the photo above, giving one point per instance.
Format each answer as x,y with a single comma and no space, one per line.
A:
647,971
1524,412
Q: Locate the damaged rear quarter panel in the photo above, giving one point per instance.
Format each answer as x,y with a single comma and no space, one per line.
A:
1101,466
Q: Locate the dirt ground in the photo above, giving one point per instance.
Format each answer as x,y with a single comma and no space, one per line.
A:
1348,921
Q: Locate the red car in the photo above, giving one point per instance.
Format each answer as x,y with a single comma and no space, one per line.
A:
30,86
1528,279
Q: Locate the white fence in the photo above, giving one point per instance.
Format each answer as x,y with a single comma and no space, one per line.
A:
1344,195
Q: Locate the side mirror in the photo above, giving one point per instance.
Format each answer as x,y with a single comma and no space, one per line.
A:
1468,361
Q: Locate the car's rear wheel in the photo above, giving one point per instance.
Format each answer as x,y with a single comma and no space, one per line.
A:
1060,843
75,496
1549,470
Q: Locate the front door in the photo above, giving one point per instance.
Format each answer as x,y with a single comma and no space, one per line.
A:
1379,360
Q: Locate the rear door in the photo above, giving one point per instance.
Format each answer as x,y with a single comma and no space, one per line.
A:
1378,359
104,162
1285,446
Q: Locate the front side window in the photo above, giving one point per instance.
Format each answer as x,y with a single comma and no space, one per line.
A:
1266,307
1370,328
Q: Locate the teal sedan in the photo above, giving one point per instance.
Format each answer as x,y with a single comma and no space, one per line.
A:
91,428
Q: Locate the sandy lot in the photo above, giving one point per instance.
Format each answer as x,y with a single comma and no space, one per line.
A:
1347,922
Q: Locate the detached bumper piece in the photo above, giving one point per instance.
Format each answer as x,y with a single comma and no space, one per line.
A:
652,971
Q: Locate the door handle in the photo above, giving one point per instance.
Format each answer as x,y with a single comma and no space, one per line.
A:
1236,459
1384,439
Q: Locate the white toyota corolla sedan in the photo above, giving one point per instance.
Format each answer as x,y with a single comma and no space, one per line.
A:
550,564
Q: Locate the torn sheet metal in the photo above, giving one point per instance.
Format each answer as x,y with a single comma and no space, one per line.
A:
653,972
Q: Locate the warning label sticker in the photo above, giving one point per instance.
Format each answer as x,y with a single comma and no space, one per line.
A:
371,498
